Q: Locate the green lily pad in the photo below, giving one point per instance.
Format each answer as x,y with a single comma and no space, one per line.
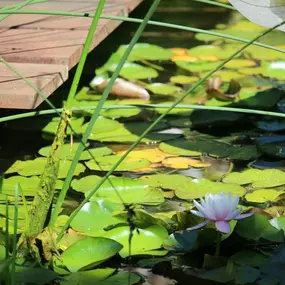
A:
87,277
208,117
68,151
37,276
163,89
84,95
120,113
147,242
249,257
89,252
272,145
258,226
183,79
143,219
265,99
199,145
121,278
145,51
263,195
131,191
102,125
107,162
51,127
273,69
130,132
29,185
134,71
197,188
181,241
197,66
267,178
188,188
37,167
99,211
165,181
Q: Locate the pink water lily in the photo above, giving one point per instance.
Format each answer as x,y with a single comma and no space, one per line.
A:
218,208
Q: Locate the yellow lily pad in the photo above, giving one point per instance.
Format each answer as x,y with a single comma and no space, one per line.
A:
263,195
184,162
153,155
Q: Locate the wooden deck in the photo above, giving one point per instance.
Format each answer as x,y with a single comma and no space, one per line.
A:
44,48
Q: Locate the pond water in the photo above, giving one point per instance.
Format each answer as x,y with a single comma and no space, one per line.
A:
189,154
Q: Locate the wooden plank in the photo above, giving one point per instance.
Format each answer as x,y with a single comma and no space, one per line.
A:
16,94
61,22
44,47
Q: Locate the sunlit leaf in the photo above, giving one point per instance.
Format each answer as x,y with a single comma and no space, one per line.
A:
146,241
89,252
257,178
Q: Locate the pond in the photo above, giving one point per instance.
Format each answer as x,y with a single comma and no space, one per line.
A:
143,208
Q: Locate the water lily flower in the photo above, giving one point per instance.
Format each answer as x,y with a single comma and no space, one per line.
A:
218,208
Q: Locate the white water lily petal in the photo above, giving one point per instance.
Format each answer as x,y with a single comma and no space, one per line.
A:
233,214
223,226
203,211
197,213
199,225
265,13
274,223
243,216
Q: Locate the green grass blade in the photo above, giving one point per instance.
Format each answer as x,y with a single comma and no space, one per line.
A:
84,54
214,3
95,115
158,120
14,251
154,23
16,8
27,214
146,106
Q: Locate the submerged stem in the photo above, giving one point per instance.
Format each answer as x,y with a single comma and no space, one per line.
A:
218,245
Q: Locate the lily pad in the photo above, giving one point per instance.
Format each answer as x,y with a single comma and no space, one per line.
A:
131,192
121,278
100,211
37,167
271,125
29,185
212,118
263,195
258,226
197,188
181,241
68,151
183,79
102,125
273,145
134,71
130,132
76,124
145,51
163,89
89,252
87,277
146,241
107,162
198,145
267,178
